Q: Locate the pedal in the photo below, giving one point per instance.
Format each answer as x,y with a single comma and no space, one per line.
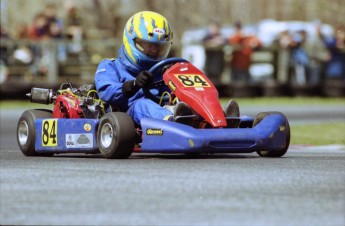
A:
233,122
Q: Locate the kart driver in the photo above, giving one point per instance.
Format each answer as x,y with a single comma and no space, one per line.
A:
147,39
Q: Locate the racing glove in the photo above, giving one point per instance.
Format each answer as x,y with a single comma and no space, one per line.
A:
143,79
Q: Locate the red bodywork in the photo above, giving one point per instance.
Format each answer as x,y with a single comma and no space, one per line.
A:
191,86
67,106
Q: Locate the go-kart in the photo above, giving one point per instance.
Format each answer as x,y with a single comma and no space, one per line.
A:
82,123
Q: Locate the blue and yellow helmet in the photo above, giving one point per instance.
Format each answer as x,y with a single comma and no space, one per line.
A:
147,38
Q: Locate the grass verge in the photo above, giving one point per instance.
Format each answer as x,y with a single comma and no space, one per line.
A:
287,101
318,134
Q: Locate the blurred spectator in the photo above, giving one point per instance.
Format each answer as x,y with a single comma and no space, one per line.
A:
39,29
22,51
4,55
56,33
299,58
318,55
74,30
3,47
214,43
243,47
55,29
336,45
3,32
283,42
50,12
21,31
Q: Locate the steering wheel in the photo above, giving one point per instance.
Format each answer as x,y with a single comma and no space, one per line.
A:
154,69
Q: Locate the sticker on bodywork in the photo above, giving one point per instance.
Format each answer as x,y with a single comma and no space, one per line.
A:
87,127
171,85
155,132
77,140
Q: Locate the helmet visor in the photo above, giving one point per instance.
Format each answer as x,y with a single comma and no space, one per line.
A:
152,50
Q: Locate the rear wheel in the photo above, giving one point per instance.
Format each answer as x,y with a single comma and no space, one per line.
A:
26,131
116,135
282,151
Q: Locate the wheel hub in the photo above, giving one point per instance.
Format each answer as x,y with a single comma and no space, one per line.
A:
107,135
23,133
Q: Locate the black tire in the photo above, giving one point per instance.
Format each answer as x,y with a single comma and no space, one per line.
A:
192,155
276,153
26,131
116,135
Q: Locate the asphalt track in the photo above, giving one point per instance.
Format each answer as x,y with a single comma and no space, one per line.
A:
305,187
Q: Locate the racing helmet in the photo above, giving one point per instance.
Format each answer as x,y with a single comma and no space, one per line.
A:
147,38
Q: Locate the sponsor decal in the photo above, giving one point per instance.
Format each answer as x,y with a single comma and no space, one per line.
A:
101,70
83,139
130,30
191,143
71,102
171,85
70,141
87,127
158,31
49,133
79,140
154,132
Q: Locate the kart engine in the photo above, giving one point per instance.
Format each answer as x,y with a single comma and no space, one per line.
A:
70,102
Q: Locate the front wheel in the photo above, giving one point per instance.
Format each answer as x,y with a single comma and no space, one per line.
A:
26,131
283,150
116,135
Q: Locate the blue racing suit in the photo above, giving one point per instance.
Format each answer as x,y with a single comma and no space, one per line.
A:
109,78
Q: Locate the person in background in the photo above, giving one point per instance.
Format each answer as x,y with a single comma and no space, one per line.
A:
213,44
55,33
39,31
299,58
3,47
74,29
50,12
335,68
243,47
283,43
55,29
4,54
318,55
23,52
39,28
